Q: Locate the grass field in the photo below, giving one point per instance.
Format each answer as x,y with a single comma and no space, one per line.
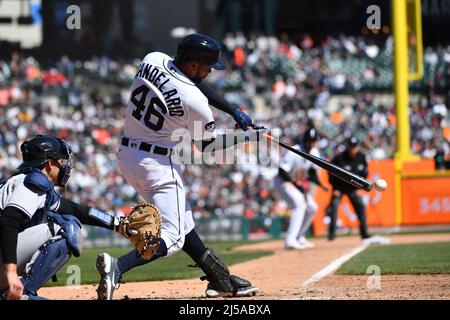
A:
173,267
420,258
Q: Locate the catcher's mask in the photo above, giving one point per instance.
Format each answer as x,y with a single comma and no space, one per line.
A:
43,148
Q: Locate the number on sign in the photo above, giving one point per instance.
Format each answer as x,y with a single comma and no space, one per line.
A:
437,205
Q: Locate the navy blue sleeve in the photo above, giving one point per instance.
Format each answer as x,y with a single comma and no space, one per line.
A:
215,99
85,214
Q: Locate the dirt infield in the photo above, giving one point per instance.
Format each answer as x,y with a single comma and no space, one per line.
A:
282,276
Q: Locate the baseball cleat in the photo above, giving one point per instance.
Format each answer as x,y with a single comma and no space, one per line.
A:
31,297
109,276
242,288
249,291
295,246
376,240
304,242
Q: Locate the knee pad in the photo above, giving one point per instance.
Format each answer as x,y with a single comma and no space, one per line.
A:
45,263
70,230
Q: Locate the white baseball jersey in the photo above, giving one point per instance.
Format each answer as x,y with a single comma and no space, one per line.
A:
15,194
298,166
184,105
165,107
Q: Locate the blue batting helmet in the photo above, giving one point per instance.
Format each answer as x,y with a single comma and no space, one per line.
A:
200,48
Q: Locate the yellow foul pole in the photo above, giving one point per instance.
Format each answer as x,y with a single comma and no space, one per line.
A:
400,9
401,96
401,78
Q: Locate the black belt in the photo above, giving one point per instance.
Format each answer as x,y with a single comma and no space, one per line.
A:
144,146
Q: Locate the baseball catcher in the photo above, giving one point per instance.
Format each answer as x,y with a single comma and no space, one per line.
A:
40,229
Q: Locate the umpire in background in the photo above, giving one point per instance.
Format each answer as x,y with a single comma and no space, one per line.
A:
353,160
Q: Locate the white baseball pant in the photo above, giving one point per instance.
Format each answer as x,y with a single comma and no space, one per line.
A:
159,181
302,206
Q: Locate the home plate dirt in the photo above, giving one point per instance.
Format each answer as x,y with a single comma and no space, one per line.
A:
283,276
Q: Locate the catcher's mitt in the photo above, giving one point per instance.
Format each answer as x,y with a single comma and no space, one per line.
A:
143,227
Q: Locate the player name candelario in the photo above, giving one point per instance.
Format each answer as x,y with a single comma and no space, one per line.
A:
158,78
226,310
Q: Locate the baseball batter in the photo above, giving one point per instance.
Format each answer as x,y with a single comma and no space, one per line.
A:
294,169
165,104
38,227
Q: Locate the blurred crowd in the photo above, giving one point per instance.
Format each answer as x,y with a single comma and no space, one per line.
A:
341,84
344,84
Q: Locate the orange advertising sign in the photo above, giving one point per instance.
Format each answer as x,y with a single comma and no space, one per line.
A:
426,199
380,206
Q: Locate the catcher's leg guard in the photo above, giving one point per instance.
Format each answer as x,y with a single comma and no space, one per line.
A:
221,282
44,264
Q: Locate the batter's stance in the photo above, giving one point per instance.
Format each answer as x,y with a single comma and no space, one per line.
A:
164,98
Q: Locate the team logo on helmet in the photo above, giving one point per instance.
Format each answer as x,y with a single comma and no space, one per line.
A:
201,48
210,126
310,135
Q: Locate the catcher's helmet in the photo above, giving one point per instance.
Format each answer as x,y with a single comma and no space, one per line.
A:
42,148
310,135
200,48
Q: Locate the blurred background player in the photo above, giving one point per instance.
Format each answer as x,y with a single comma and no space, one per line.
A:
354,160
39,230
292,182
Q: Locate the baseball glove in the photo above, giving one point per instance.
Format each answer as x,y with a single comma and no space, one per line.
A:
143,227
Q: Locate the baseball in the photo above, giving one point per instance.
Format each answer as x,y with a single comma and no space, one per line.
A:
380,185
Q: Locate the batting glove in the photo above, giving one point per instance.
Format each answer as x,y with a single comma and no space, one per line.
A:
243,121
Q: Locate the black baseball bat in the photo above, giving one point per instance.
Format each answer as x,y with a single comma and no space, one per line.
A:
339,172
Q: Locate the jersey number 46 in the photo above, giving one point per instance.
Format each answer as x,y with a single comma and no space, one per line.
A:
138,113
